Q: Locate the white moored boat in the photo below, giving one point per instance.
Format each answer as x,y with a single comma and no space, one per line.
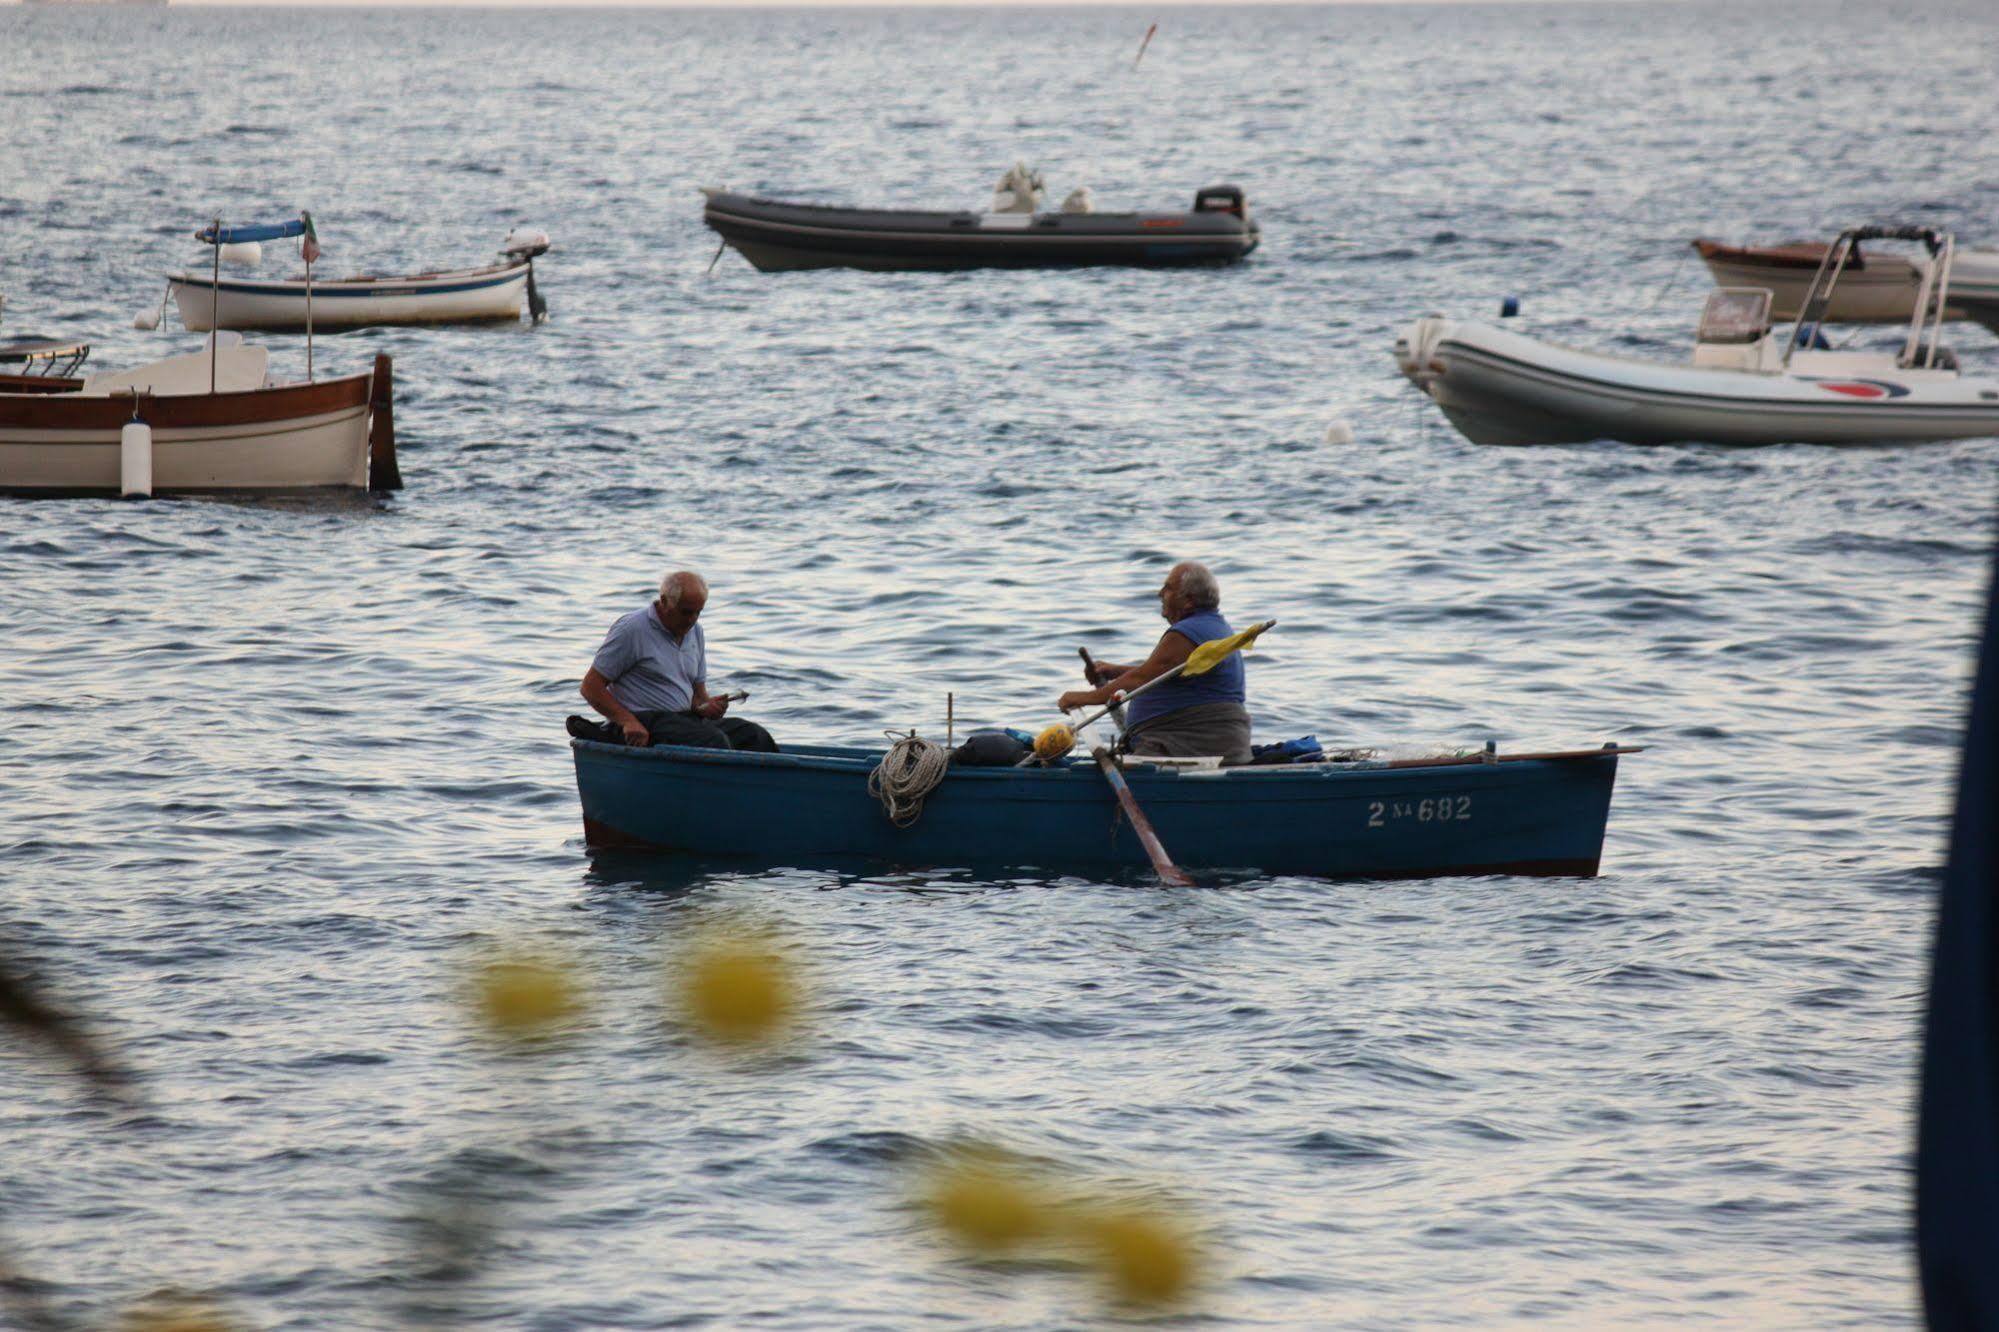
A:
1875,288
466,295
212,421
1744,385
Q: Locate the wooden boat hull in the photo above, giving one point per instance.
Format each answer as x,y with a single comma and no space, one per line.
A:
811,805
468,296
779,237
293,437
1882,290
1499,387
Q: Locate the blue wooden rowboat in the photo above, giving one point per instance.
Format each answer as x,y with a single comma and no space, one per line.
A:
1503,814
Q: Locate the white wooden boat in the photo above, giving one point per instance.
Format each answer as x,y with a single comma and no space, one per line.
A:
213,422
1876,288
41,357
1744,384
465,295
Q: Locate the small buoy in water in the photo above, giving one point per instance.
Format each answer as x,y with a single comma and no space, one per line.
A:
737,988
176,1311
525,994
146,320
135,459
1054,742
1339,432
244,254
1509,306
1146,1256
985,1206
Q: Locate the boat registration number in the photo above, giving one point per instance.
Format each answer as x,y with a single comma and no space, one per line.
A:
1447,809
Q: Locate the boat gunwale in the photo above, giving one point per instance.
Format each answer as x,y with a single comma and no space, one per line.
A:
383,287
842,760
78,412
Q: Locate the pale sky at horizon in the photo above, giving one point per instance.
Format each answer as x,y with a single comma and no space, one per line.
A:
1165,7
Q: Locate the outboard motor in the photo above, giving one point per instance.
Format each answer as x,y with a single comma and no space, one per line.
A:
523,244
1221,199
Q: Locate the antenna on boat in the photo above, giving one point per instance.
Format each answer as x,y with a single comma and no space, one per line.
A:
308,249
214,297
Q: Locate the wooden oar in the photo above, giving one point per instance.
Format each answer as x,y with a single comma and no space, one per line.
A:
1169,873
1457,760
1204,658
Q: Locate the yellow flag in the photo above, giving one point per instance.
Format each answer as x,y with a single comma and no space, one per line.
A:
1214,652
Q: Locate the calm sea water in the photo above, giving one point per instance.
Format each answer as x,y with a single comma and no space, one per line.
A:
270,771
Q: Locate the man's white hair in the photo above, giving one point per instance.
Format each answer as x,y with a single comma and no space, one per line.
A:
1199,586
674,586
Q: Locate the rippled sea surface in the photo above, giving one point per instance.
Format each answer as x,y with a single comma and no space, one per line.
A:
271,771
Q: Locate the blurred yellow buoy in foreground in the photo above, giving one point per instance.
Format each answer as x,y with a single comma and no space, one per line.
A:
985,1207
1146,1256
524,994
1054,742
175,1311
737,988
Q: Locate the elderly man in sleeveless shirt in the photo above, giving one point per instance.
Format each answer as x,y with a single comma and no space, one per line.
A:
1187,717
650,678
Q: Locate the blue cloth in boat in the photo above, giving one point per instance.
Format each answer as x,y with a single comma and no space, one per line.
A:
649,671
1224,684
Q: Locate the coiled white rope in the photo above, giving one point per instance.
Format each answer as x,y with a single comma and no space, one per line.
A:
910,770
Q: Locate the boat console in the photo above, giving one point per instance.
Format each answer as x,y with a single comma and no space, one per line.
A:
1734,332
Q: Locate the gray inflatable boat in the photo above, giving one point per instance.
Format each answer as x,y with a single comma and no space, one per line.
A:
778,236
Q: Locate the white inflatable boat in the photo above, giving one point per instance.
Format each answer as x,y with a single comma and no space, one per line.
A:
1744,385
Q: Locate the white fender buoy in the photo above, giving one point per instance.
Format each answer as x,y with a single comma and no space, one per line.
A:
247,254
1339,432
135,459
148,320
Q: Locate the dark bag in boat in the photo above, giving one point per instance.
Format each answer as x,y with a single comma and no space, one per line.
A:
1305,749
989,749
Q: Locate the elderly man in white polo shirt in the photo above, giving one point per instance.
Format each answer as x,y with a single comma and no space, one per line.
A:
651,678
